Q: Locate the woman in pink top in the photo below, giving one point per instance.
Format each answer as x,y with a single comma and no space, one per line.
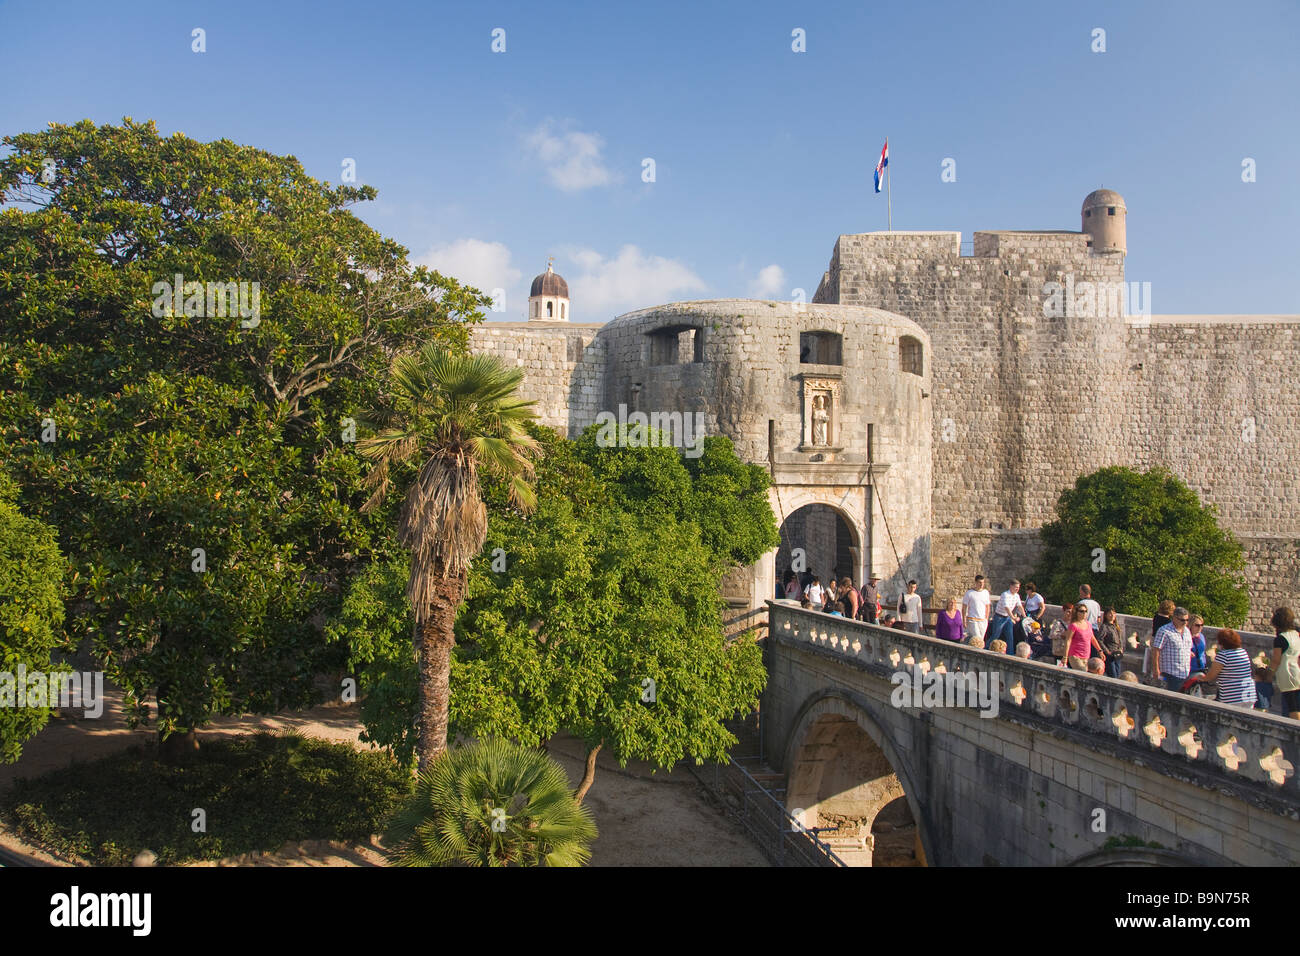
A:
1082,640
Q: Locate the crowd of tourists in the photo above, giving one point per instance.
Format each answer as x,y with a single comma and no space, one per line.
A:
1086,637
841,598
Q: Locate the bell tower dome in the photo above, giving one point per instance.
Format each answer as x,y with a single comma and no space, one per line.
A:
548,300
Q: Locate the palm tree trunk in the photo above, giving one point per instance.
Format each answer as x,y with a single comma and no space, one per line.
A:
437,636
588,773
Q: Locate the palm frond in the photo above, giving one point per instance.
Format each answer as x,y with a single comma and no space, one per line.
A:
455,414
492,803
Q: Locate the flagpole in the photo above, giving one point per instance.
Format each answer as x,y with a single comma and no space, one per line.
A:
889,195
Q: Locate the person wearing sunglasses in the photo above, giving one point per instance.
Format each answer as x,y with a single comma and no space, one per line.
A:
1171,652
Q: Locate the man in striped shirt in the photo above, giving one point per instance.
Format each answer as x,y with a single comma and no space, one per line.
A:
1171,651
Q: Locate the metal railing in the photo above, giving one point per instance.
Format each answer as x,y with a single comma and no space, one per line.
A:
781,837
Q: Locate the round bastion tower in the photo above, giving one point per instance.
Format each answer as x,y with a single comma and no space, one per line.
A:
1104,214
548,300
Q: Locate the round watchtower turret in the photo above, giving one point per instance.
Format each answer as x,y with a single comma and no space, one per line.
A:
1104,215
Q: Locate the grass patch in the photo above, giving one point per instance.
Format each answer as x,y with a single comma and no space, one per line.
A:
258,791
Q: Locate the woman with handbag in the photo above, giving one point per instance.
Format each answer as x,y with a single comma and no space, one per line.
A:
1082,641
1111,638
1059,635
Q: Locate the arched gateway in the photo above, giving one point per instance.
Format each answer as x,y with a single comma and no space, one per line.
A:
823,539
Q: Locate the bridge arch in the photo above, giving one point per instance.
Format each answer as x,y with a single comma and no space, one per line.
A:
842,769
1139,856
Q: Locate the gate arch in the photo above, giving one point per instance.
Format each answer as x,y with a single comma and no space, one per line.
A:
842,766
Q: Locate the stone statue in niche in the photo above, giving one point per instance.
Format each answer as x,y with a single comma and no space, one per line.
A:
821,417
821,401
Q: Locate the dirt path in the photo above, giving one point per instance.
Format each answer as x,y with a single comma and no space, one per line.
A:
644,819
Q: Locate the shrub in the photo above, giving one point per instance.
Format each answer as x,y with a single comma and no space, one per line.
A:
1156,540
492,803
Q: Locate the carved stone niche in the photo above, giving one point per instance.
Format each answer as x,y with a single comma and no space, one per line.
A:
822,407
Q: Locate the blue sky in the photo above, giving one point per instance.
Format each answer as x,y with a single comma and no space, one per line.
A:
486,163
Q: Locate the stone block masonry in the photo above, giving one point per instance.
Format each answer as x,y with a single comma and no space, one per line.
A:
982,402
1025,403
563,365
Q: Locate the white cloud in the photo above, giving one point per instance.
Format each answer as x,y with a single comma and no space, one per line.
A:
631,280
769,283
573,160
485,265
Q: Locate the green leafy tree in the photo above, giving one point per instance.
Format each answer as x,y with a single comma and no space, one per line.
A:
198,462
32,573
588,617
1138,538
725,497
492,803
452,416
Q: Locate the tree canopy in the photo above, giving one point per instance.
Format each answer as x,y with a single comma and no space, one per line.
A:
1139,538
196,461
599,614
32,573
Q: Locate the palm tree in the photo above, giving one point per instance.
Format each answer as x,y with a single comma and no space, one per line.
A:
454,415
492,803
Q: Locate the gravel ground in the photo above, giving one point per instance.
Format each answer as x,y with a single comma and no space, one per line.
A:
644,818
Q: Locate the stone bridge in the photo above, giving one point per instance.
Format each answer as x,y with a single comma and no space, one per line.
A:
1073,769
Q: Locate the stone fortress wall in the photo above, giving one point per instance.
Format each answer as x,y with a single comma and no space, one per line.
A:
1055,397
563,363
744,373
1010,406
737,363
1233,436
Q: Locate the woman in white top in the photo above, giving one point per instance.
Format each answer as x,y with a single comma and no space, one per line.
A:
815,594
1034,602
1286,660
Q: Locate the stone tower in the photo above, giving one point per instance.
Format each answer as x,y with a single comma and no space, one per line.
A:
1104,217
1024,393
548,300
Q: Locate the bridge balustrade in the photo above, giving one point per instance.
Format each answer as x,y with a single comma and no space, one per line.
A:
1243,746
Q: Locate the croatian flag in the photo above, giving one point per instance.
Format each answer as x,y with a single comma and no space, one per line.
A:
880,166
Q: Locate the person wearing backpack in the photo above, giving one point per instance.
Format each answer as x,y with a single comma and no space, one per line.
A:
1286,660
1059,635
870,609
909,608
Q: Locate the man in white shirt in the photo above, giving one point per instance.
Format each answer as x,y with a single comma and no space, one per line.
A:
1094,609
1006,613
909,608
975,609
